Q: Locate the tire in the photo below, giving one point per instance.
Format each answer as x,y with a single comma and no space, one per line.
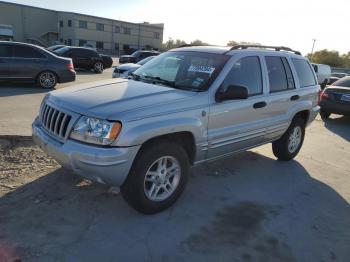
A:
137,189
98,67
289,145
47,80
324,115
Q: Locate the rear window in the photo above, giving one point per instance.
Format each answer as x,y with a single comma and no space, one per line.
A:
304,72
342,82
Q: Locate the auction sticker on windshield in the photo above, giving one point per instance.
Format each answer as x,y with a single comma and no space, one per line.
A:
201,69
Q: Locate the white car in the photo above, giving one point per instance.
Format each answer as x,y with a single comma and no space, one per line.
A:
323,73
124,70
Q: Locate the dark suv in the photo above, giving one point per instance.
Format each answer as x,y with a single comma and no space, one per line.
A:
86,58
21,62
137,56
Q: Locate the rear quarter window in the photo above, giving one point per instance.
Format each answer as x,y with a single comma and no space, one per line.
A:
304,72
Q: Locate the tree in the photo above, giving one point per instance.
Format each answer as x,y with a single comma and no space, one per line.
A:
171,43
234,43
198,42
331,58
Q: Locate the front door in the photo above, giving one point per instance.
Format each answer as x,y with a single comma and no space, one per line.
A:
239,124
5,56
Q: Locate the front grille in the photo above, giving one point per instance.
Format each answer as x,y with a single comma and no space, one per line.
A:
55,121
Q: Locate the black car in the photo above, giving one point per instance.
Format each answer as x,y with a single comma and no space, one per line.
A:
335,99
137,56
86,58
20,62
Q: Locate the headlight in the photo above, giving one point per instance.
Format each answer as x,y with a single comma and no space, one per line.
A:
96,131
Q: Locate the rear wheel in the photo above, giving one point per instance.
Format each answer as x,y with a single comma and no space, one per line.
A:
289,145
98,67
47,80
157,177
324,115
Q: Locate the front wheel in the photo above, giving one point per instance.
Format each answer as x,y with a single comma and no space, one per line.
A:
98,67
289,145
157,177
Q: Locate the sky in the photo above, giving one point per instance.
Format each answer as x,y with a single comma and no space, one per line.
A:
293,23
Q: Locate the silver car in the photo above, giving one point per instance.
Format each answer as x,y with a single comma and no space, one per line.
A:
124,70
185,107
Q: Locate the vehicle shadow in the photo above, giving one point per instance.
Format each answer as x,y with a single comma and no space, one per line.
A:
243,208
339,126
12,89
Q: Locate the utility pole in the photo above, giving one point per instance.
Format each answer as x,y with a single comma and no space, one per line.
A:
313,46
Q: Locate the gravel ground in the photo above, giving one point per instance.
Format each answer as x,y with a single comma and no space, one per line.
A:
247,207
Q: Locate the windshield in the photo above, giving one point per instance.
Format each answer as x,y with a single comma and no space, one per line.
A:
62,50
184,70
345,81
144,61
136,53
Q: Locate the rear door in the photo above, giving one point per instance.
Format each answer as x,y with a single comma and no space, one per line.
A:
282,95
5,56
27,62
239,124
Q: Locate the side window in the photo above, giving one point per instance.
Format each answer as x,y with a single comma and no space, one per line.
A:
26,52
277,74
246,72
5,51
304,72
290,79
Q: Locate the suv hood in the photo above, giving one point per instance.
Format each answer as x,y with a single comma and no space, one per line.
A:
110,99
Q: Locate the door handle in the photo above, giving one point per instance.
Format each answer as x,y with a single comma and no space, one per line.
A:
259,105
295,97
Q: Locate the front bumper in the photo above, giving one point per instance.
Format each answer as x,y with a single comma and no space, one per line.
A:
104,165
341,108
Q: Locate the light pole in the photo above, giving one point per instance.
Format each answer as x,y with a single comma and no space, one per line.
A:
313,46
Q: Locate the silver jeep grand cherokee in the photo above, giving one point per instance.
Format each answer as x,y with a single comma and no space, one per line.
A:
185,107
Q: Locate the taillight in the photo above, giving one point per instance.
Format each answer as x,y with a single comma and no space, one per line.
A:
70,66
324,95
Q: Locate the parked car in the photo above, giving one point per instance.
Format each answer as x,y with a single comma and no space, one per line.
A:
335,99
86,58
55,47
123,71
323,73
137,56
21,62
184,107
339,75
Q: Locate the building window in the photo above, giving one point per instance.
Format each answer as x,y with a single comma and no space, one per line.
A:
117,29
100,27
69,23
61,23
61,40
82,24
82,42
156,35
99,45
127,31
116,46
69,42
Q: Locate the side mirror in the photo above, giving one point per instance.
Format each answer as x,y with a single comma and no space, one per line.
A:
232,93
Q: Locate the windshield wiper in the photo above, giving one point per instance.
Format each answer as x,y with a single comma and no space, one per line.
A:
161,80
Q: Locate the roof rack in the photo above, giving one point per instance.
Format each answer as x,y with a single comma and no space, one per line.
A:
277,48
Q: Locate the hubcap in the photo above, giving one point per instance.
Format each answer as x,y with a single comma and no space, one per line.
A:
294,139
99,67
162,178
47,80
